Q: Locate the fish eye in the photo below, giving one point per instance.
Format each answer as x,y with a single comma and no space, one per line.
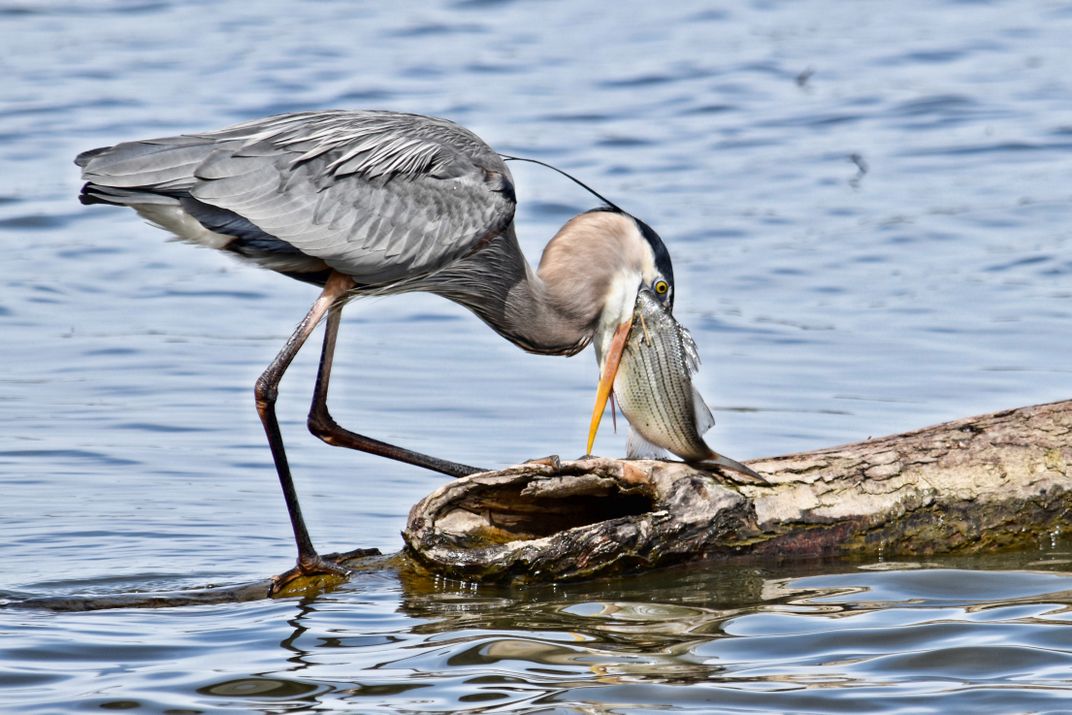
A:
661,287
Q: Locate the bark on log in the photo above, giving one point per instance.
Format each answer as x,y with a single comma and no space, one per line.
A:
996,481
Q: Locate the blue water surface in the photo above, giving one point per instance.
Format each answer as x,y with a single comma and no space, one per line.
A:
868,206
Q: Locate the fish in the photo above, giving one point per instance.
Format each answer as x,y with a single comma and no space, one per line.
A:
654,389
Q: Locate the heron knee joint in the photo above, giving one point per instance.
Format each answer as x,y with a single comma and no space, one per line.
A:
322,425
265,391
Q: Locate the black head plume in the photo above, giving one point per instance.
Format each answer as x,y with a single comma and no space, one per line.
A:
574,179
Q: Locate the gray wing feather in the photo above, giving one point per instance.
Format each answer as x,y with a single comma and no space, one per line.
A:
163,164
381,196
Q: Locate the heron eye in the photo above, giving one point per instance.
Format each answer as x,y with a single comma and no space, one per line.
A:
661,287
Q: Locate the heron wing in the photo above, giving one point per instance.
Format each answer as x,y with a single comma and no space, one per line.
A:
380,196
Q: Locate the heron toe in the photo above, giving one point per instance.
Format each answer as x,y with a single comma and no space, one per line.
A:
309,574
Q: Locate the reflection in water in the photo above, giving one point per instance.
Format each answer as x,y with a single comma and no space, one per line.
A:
763,639
247,689
261,689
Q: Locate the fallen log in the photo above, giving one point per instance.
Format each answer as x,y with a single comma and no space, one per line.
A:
1001,480
998,481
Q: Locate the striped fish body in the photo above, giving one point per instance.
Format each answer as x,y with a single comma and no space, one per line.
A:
654,387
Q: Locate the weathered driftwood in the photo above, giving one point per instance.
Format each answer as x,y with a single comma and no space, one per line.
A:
996,481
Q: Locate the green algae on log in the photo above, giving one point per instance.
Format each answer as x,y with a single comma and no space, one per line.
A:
1000,480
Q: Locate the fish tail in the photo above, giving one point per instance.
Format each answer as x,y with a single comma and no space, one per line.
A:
719,460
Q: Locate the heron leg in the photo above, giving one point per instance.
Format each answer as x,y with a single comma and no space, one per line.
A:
323,425
266,391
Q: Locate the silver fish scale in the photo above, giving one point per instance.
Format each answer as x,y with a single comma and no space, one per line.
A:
654,387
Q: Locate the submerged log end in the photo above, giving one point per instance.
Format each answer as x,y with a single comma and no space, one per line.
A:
996,481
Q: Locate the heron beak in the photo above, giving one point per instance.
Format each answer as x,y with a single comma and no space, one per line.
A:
611,359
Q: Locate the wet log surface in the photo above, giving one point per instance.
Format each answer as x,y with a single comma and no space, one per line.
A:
997,481
1001,480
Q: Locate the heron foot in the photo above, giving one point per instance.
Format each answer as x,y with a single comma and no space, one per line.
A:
316,573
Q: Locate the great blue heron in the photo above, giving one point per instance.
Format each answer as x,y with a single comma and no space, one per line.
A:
377,203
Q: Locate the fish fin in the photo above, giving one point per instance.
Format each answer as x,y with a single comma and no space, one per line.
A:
704,419
744,475
692,355
636,447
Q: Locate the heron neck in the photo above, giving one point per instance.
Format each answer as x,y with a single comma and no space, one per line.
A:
501,288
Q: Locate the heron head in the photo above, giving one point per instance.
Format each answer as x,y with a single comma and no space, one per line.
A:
621,255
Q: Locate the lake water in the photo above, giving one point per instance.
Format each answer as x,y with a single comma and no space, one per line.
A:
868,205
